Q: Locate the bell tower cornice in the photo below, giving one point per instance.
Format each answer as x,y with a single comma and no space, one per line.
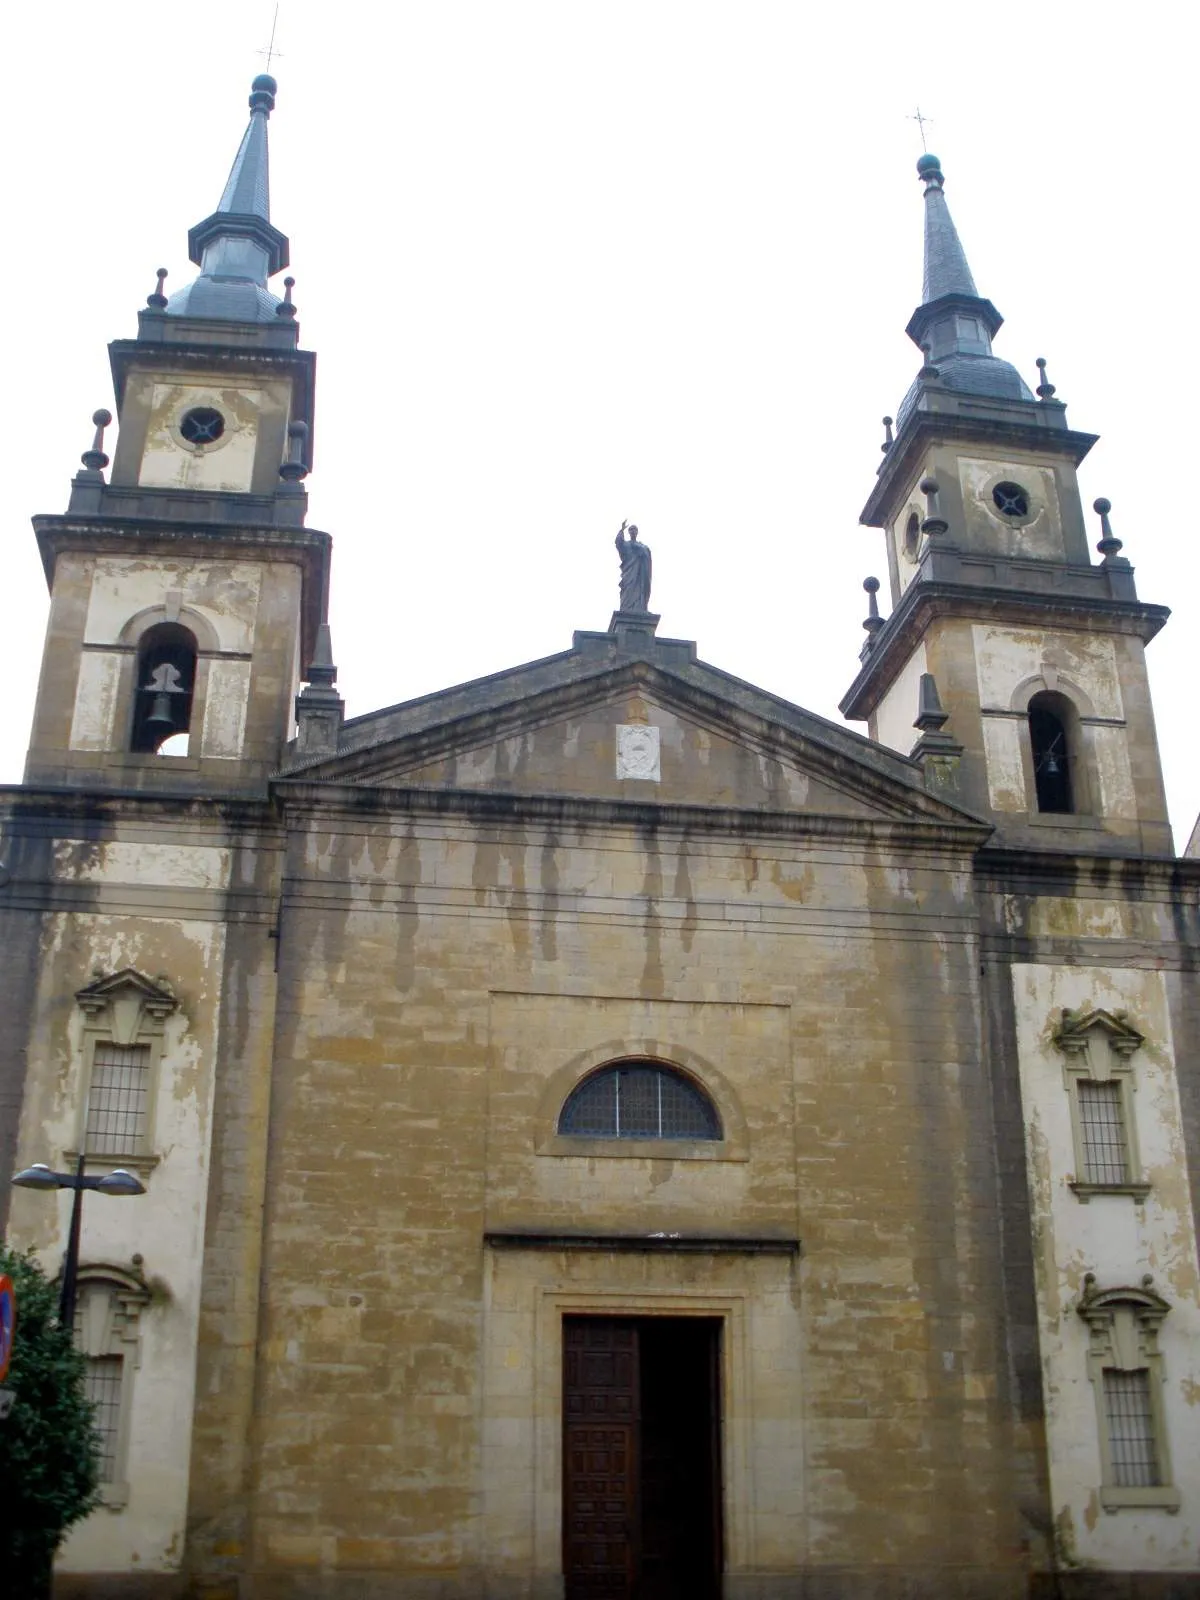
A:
941,414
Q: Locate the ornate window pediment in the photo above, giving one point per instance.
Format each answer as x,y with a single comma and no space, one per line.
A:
1125,1366
1099,1047
109,1304
124,1020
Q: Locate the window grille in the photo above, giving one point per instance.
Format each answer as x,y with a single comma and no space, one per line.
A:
116,1120
1102,1130
639,1102
102,1386
1131,1440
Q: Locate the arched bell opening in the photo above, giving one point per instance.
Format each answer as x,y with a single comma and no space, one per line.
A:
1054,742
164,686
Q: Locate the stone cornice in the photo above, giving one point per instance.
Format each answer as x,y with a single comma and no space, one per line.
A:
645,1243
325,802
1027,428
1022,871
307,548
924,601
32,809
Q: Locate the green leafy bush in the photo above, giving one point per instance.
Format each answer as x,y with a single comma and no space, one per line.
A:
49,1450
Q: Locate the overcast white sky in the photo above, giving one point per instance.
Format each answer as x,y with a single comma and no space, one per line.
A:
569,263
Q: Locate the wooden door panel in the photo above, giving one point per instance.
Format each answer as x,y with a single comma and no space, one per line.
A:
600,1456
641,1459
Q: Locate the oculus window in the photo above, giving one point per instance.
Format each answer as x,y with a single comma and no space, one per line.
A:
639,1100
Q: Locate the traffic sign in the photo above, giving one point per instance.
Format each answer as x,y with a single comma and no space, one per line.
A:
8,1323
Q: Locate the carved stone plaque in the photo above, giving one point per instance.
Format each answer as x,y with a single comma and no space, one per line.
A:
637,751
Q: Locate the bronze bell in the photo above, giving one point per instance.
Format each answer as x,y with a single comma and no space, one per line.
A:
160,712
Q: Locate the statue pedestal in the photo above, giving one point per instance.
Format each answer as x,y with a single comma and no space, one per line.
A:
624,623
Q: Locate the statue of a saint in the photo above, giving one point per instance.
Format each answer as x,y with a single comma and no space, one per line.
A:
635,570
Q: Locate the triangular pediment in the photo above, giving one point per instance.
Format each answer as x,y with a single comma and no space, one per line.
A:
671,732
130,983
1078,1026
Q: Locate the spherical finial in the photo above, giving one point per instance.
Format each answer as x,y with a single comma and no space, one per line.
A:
929,486
95,459
1109,545
872,622
929,170
295,468
262,93
1045,389
156,299
286,308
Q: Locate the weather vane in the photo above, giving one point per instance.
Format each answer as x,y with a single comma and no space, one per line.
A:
918,119
270,52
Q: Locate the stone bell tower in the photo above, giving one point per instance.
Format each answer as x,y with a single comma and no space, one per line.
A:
1019,659
186,592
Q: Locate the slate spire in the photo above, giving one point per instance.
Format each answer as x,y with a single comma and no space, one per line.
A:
236,248
954,324
946,269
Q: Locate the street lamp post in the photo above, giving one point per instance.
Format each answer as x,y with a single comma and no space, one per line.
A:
40,1176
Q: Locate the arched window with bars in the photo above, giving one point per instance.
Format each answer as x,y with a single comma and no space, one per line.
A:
639,1100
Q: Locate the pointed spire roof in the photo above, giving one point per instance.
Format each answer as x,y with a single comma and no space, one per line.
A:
946,269
236,248
954,324
248,190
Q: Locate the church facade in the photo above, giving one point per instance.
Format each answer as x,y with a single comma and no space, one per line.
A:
607,1131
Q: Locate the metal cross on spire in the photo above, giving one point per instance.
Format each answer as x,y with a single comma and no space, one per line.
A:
920,120
270,52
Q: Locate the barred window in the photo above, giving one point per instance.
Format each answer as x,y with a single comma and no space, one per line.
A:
1102,1131
116,1120
639,1100
1132,1445
102,1386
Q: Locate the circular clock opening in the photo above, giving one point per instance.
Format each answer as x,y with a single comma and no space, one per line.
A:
1010,500
202,425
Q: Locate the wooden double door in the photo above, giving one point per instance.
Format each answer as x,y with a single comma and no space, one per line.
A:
641,1458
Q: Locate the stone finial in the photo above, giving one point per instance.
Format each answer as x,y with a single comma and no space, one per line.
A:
320,709
95,459
1109,546
295,468
321,671
934,522
888,438
931,716
158,300
928,372
1045,389
285,308
936,752
872,622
